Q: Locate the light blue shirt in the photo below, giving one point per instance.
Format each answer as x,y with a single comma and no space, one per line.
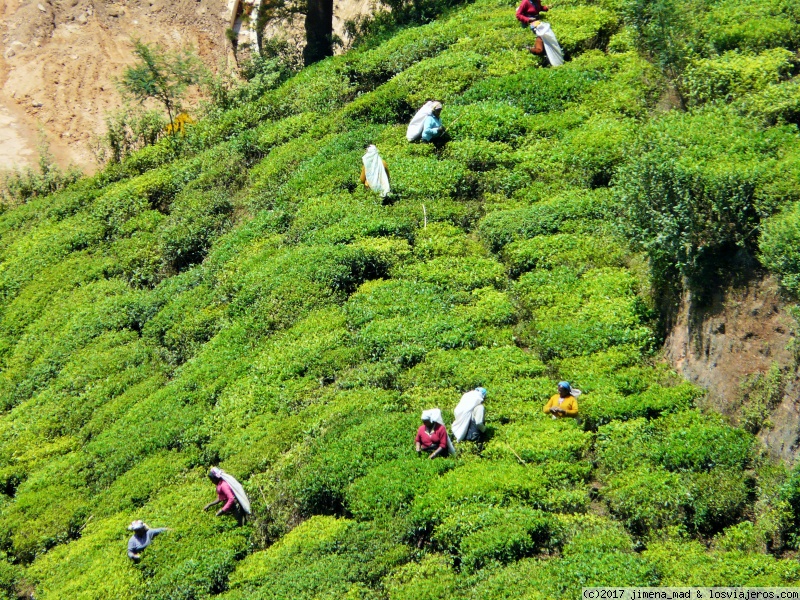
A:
431,128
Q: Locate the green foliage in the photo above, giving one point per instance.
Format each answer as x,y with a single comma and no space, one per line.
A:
160,77
239,299
778,245
691,194
733,75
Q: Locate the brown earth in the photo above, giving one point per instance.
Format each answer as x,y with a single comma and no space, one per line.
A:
741,330
60,59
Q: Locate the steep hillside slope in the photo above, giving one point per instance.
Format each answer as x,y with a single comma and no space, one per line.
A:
239,299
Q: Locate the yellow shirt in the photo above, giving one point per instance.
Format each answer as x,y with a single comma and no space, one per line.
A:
569,405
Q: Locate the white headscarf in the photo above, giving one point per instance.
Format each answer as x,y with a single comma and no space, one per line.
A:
377,178
434,415
463,413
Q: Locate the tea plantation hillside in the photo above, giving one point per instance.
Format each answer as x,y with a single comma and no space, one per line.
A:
243,301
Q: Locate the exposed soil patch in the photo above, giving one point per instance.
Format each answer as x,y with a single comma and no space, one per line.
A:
739,331
60,58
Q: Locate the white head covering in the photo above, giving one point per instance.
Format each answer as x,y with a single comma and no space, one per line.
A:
136,525
434,415
377,178
463,413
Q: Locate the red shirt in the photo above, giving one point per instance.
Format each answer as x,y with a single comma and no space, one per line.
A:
225,495
529,9
438,437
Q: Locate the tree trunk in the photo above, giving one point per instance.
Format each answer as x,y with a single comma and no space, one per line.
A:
319,31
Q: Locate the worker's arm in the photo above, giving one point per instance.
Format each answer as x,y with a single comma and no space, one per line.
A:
363,175
442,444
571,408
548,406
385,168
210,504
479,416
521,16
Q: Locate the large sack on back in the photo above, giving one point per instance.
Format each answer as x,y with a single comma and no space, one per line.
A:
551,45
414,131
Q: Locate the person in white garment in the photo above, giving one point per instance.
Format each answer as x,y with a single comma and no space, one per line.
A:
375,172
470,414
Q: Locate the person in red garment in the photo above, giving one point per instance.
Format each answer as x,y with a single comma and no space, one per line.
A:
225,495
432,434
529,10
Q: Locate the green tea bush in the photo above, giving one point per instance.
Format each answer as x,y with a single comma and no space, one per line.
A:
555,88
685,201
550,216
686,562
774,104
486,121
441,78
733,75
322,557
563,250
390,488
646,500
656,400
479,536
491,484
751,26
600,310
431,578
408,47
467,369
778,246
539,441
592,152
581,28
194,221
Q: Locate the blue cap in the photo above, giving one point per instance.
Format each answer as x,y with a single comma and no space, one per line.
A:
565,385
482,391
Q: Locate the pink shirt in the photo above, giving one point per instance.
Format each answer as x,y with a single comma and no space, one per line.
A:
225,495
437,438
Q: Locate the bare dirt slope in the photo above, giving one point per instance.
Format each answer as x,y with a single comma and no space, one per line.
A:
60,58
740,331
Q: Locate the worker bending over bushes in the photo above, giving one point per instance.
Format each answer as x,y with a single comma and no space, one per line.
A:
564,403
141,538
230,494
470,415
528,14
432,435
375,172
426,124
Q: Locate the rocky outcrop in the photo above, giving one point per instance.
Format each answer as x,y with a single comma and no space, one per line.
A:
736,333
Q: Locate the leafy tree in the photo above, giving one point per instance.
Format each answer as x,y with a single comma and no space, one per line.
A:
160,76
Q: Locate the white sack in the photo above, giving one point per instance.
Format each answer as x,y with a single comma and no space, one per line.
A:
463,413
417,123
551,46
238,491
377,178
